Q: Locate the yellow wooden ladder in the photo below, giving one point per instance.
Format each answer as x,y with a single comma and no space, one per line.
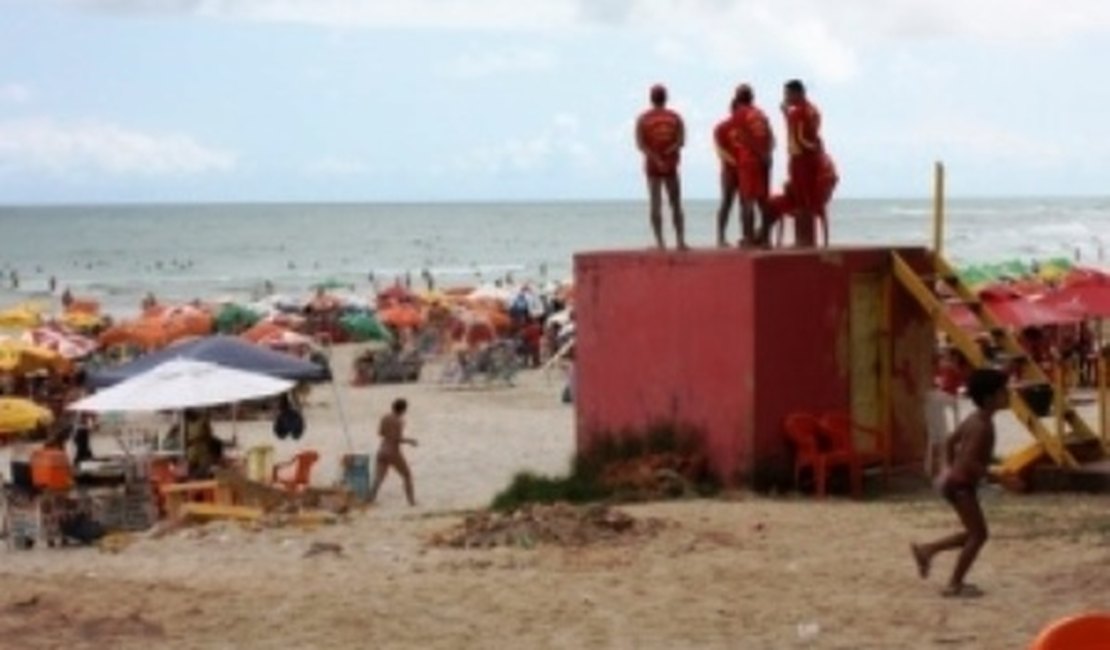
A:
1072,429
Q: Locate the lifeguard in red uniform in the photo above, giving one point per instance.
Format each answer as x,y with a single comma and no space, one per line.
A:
724,141
660,135
753,148
803,128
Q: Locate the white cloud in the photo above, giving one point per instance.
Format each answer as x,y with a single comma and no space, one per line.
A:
560,139
15,93
826,39
43,145
971,139
444,14
337,166
487,64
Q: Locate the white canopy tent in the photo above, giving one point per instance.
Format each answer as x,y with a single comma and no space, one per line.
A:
180,384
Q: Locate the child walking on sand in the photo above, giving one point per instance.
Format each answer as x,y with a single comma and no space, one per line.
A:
391,430
968,451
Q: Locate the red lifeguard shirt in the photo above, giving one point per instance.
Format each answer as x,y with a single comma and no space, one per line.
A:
803,126
660,132
803,140
754,141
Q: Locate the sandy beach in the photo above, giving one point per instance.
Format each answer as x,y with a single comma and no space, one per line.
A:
740,571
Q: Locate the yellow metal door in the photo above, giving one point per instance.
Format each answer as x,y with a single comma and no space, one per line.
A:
866,316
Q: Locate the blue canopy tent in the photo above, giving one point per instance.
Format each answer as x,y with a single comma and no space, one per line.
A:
229,351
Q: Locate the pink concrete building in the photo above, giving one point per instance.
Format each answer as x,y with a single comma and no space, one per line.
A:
729,342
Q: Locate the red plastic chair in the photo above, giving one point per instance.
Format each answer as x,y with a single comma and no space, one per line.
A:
302,470
802,430
839,431
1082,632
821,224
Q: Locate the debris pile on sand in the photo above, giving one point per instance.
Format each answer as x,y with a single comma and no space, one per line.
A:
559,524
652,476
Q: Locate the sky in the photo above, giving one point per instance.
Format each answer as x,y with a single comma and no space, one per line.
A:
519,100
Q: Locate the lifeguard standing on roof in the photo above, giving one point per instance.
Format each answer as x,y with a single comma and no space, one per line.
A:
660,136
807,158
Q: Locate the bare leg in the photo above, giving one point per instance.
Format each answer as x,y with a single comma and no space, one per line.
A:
969,541
763,236
380,468
967,506
674,196
655,198
747,223
402,467
728,197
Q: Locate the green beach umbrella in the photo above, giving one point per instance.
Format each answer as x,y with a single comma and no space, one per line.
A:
331,284
364,327
235,318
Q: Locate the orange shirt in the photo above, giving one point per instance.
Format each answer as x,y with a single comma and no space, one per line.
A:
754,140
660,132
803,127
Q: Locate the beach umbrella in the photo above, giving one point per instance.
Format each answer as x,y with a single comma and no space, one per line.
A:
235,318
1087,300
331,283
230,351
159,326
147,334
963,317
181,321
263,329
287,340
23,316
1022,312
81,320
19,357
364,327
393,294
401,315
68,345
492,296
18,415
182,383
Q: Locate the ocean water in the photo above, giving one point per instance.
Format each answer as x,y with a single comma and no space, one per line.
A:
117,253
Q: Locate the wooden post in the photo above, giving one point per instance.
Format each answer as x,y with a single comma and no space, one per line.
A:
1059,396
886,362
938,208
1103,406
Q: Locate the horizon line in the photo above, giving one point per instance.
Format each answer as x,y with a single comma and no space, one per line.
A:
502,201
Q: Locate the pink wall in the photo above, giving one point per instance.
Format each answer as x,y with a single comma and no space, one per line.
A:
662,337
731,342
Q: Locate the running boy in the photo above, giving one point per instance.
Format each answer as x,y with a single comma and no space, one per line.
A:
968,452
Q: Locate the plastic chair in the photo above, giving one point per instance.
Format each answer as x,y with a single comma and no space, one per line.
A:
820,222
302,470
803,432
1082,632
260,462
839,431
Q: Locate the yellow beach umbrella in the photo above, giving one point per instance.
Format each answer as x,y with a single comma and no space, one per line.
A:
80,320
19,357
23,316
1051,272
18,415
